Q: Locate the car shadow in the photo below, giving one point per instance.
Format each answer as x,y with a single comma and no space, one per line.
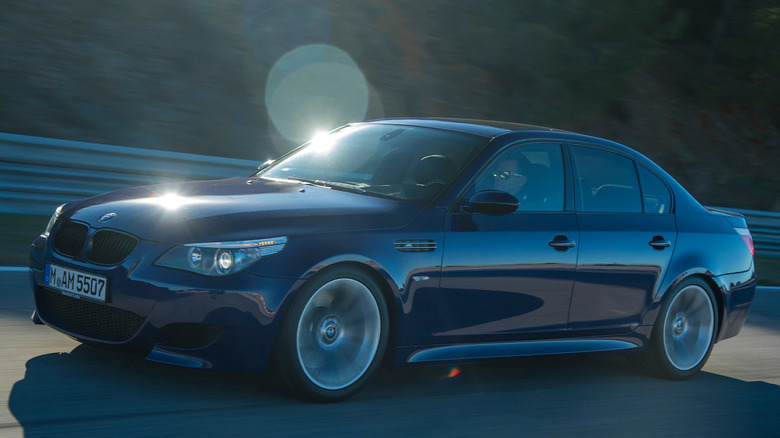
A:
96,392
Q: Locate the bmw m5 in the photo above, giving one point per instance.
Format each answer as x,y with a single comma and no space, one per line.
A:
402,241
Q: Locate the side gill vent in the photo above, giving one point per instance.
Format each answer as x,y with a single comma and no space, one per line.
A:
415,245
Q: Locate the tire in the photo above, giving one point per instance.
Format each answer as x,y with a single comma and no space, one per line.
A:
333,337
684,333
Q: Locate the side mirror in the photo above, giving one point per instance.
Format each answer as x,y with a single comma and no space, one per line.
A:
265,165
492,203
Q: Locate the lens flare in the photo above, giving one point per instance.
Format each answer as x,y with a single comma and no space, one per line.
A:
314,86
454,372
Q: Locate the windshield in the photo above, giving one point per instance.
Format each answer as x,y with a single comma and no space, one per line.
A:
396,161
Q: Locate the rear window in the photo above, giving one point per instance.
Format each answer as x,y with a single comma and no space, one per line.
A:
608,182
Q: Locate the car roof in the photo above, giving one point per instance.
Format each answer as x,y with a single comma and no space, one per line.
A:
482,128
491,129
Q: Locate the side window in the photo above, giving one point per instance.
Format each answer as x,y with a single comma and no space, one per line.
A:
531,173
608,182
657,198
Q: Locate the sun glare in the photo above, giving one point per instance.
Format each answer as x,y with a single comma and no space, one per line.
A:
321,142
169,201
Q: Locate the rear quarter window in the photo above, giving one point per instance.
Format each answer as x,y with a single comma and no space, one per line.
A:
656,197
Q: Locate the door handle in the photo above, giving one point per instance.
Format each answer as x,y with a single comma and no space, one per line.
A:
562,243
659,242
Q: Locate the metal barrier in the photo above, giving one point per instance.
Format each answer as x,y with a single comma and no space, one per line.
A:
38,174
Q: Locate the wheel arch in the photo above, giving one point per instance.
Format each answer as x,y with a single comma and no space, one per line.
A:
388,289
701,274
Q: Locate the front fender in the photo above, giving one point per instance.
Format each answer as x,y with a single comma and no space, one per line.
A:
409,282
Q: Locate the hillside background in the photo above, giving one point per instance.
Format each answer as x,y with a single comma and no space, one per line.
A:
693,84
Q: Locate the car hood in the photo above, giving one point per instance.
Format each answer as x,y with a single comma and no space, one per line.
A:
233,209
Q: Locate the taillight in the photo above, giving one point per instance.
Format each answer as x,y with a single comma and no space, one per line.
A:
745,234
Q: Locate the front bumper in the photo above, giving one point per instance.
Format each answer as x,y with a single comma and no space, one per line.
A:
171,316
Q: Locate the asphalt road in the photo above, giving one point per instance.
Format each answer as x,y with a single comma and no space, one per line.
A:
53,386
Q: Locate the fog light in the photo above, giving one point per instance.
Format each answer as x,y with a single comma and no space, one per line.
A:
225,261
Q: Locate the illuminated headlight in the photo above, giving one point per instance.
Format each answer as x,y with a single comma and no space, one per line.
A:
224,261
52,221
220,258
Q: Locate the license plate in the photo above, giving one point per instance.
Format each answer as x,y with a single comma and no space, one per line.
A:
75,283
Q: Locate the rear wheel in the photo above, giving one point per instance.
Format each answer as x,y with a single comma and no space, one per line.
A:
684,332
333,337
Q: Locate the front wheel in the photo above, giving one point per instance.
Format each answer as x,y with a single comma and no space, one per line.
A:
333,337
684,332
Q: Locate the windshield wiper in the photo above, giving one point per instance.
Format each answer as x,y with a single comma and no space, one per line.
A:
314,182
329,184
346,187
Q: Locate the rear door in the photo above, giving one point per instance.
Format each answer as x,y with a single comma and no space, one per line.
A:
627,236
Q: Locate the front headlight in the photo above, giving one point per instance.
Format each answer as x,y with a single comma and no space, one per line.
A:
220,258
52,221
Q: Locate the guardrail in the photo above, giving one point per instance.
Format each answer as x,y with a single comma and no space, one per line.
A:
38,174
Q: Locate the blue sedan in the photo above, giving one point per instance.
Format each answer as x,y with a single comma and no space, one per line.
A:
402,241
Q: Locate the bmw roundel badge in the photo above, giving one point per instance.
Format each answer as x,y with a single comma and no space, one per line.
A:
106,217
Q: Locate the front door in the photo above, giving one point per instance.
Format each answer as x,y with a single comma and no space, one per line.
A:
510,277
